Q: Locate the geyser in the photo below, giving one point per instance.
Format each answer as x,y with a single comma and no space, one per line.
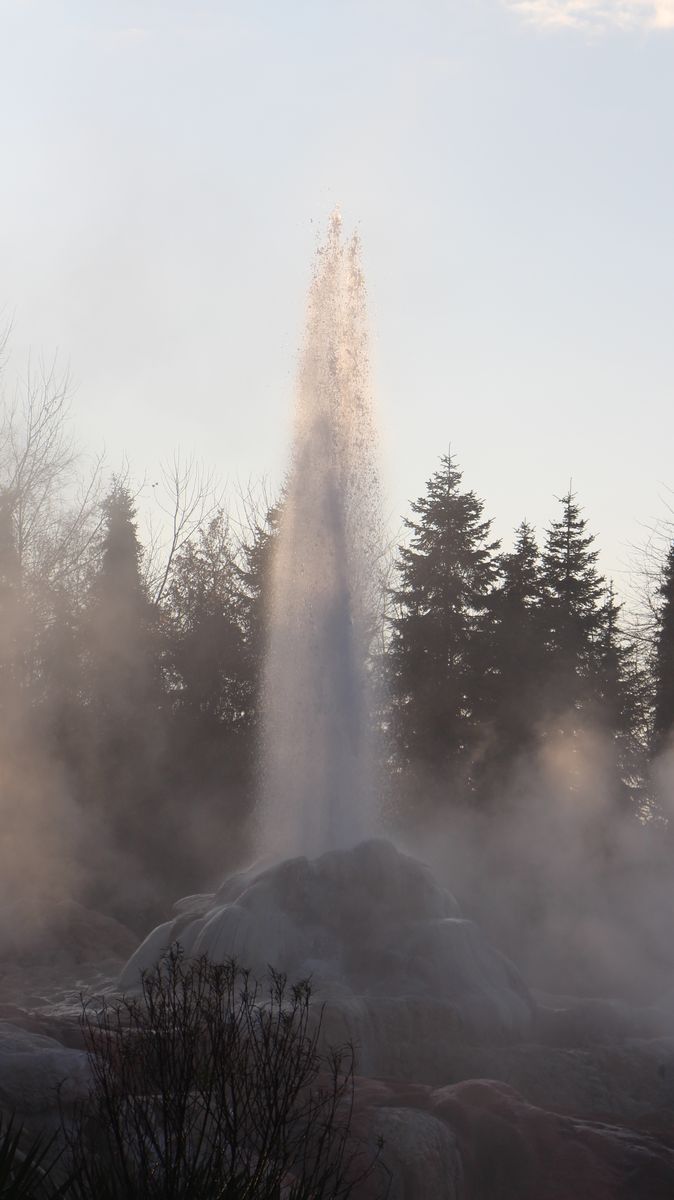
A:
403,973
317,786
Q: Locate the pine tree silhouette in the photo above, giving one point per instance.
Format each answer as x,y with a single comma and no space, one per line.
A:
445,575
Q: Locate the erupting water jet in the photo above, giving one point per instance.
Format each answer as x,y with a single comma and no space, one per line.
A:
318,786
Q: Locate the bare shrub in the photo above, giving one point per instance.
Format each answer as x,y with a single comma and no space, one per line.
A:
207,1084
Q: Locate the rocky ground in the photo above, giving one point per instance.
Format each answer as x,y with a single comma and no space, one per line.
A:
527,1122
578,1106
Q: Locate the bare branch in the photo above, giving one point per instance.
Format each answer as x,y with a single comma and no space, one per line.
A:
55,515
187,496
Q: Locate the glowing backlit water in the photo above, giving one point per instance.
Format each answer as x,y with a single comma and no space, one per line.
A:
317,724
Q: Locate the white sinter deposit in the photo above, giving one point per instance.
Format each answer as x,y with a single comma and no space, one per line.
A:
383,943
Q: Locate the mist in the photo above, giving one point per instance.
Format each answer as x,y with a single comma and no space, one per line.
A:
132,690
568,882
431,784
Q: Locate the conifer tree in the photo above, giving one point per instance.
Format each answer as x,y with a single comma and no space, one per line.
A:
572,593
445,574
612,671
125,702
121,618
256,582
663,709
120,583
211,751
593,682
517,648
618,705
206,650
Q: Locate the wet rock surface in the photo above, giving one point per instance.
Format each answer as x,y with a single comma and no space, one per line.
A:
481,1140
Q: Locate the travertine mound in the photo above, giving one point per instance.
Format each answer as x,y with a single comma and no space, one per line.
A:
383,943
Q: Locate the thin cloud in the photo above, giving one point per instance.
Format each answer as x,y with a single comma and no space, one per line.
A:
114,39
596,15
128,37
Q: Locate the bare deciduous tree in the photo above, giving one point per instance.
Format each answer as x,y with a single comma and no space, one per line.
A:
55,512
187,496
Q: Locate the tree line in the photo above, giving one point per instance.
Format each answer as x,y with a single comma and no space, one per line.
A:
492,651
133,688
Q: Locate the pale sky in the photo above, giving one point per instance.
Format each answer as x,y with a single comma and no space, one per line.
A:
166,167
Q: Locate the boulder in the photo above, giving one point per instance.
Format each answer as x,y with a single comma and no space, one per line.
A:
497,1146
37,1071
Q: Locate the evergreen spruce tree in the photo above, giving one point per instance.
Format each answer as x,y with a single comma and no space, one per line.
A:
211,747
438,640
663,667
255,575
516,643
593,683
121,619
613,668
573,591
618,701
125,706
119,587
206,651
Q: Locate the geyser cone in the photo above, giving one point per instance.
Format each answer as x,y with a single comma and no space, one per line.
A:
317,734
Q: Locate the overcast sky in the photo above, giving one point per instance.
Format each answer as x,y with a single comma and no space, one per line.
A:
165,169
